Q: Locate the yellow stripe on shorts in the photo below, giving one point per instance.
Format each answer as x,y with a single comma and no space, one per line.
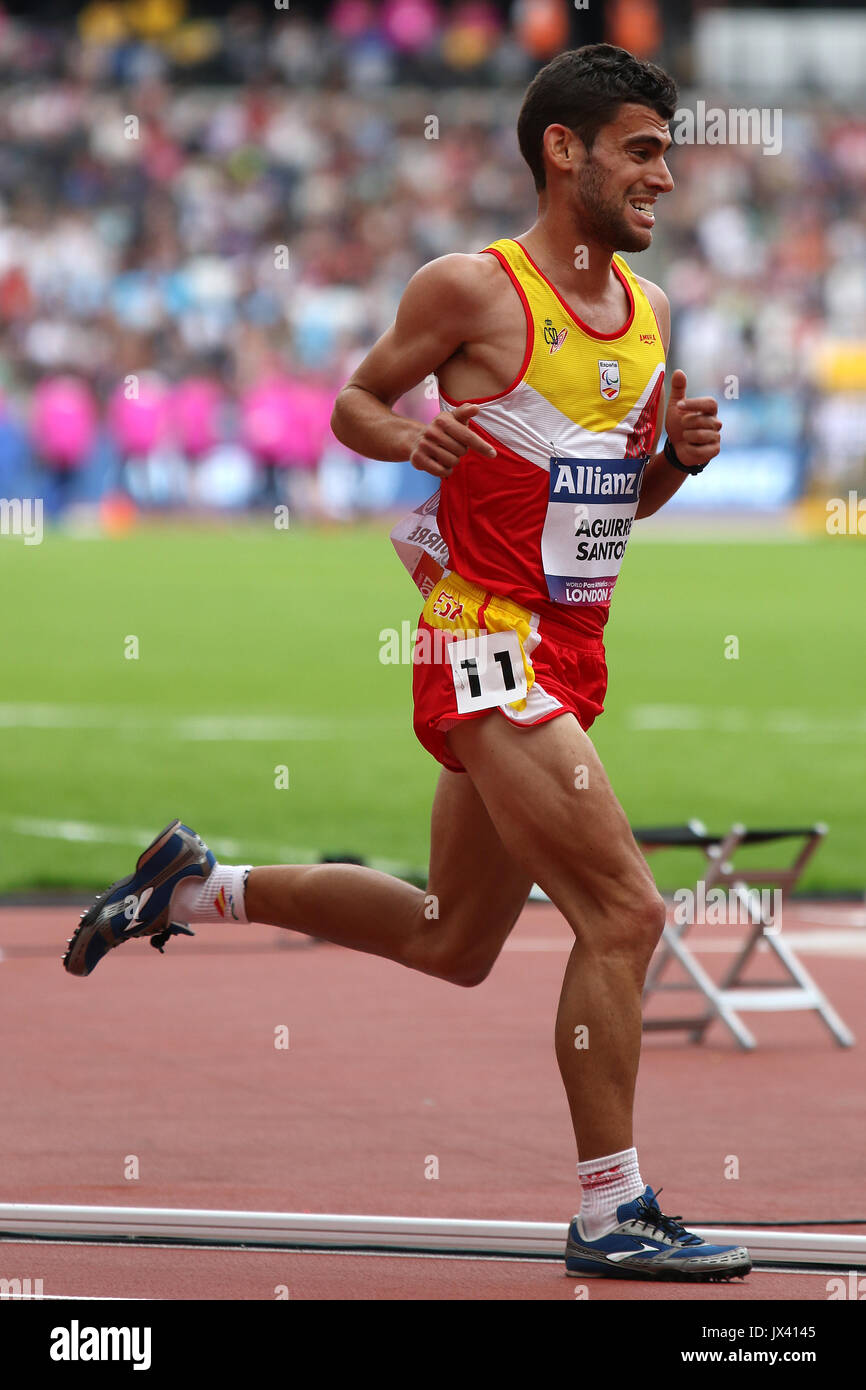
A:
454,605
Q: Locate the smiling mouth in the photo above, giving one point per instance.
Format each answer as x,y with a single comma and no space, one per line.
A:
643,208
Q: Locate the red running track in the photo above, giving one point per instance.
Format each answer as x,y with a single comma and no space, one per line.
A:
170,1062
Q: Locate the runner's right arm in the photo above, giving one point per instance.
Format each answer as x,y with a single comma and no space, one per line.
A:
434,318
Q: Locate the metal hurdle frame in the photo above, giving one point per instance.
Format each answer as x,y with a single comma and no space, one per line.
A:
734,995
382,1234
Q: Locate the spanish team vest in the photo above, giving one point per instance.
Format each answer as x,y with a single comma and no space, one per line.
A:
546,521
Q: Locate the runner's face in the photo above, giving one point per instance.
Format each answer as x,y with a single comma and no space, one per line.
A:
621,177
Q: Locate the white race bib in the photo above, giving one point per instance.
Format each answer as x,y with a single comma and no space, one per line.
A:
590,510
488,671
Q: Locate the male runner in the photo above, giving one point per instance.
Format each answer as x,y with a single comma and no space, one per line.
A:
549,352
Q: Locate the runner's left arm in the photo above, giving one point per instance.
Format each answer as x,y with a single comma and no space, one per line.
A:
691,424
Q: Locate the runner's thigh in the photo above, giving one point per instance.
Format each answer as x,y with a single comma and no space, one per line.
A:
551,802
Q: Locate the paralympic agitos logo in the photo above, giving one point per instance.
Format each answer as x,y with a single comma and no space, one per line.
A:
608,378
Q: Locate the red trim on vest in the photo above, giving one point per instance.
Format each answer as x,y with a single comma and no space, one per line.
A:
584,327
530,340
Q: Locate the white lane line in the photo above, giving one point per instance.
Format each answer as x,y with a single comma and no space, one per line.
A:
787,723
843,942
72,1298
828,942
853,916
88,832
208,728
137,837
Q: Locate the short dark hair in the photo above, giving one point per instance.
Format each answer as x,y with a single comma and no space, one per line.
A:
583,89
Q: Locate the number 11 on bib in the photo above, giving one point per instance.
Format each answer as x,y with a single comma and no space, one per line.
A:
488,671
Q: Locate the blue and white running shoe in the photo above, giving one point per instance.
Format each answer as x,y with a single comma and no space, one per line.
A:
648,1245
140,904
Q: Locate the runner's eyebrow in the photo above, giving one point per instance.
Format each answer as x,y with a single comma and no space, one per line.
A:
655,140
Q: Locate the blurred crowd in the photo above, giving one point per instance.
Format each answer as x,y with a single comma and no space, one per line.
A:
204,224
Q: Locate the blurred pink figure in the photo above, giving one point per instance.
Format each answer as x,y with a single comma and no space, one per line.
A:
284,423
195,407
63,422
138,416
313,404
267,431
266,421
411,25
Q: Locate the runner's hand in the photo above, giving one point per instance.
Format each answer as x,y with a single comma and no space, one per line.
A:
692,425
442,443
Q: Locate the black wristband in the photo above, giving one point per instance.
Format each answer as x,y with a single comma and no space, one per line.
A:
670,454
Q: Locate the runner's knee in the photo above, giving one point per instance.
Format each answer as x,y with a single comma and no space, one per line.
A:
644,920
654,914
451,961
461,947
626,915
468,972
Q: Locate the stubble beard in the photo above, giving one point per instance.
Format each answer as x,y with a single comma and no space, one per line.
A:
603,220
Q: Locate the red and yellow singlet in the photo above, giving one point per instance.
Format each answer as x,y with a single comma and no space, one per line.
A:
551,537
517,555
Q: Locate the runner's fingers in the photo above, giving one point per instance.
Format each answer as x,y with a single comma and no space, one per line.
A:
428,453
440,437
454,437
699,405
700,438
462,436
444,453
424,466
700,420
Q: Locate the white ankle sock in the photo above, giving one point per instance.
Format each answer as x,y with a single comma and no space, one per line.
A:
606,1183
218,898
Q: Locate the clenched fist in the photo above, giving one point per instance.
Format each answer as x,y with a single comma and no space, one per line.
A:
692,426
